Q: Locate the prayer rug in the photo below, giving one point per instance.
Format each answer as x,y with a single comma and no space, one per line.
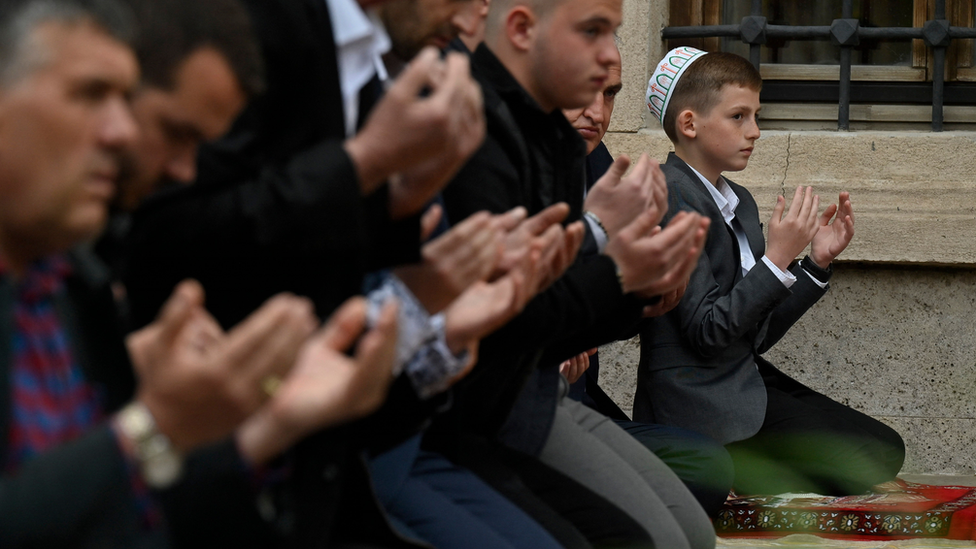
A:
895,510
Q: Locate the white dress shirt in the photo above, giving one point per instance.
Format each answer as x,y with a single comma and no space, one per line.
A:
360,41
421,349
727,202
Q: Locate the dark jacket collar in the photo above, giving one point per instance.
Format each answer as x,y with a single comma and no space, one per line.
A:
746,212
489,69
555,148
597,164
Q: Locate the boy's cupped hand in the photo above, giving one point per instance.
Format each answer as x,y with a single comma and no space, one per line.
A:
833,237
789,234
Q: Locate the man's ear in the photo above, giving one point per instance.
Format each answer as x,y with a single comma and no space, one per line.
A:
685,124
520,27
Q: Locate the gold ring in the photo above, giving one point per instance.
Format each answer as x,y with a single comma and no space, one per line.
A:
270,385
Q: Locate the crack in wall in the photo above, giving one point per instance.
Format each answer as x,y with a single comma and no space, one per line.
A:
786,170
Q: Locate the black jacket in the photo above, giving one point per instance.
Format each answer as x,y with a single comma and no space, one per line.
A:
698,366
533,159
79,494
277,208
276,205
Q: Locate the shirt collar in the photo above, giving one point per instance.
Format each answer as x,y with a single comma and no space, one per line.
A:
360,41
488,68
351,25
724,197
349,22
44,277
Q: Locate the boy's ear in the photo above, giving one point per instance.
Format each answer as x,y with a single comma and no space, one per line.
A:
520,27
685,124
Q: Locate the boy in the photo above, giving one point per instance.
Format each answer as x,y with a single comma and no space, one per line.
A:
700,364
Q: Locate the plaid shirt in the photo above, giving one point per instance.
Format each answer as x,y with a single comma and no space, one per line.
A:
50,400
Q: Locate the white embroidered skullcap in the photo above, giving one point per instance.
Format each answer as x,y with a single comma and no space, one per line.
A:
661,86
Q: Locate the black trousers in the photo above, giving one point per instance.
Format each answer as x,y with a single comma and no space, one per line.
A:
701,463
810,443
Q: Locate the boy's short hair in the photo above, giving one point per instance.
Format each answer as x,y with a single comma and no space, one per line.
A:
698,88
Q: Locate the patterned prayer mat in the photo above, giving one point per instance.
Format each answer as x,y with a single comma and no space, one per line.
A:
896,510
808,541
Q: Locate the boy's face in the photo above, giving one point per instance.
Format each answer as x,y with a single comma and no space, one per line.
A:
725,136
575,49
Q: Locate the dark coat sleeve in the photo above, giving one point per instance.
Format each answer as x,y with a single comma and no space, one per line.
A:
276,205
300,226
584,308
72,495
804,293
715,313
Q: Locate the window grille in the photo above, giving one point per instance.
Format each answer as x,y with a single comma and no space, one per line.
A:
846,33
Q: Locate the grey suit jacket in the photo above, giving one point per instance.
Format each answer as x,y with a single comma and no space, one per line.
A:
698,367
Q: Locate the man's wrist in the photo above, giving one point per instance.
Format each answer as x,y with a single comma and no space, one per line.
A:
620,276
140,439
782,263
368,166
260,439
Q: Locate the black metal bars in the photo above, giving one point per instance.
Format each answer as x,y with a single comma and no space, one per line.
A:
845,33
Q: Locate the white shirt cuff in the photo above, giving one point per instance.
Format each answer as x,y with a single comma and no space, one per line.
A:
413,319
598,233
433,367
814,279
785,277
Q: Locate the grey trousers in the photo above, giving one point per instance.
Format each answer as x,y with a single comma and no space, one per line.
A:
590,448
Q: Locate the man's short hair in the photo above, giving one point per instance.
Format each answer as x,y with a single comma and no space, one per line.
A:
172,30
20,18
498,9
699,87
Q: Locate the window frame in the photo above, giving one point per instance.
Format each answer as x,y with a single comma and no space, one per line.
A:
913,86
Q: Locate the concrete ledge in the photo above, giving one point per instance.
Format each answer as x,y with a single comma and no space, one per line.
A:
914,193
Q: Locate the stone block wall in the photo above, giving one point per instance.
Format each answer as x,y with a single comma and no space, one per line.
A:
894,342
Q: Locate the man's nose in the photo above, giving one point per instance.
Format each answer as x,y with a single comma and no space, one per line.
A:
118,128
609,54
466,20
595,111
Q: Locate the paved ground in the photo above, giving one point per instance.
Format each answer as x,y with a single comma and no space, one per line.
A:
941,480
806,541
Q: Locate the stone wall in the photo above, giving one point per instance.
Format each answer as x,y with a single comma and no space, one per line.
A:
896,335
894,342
